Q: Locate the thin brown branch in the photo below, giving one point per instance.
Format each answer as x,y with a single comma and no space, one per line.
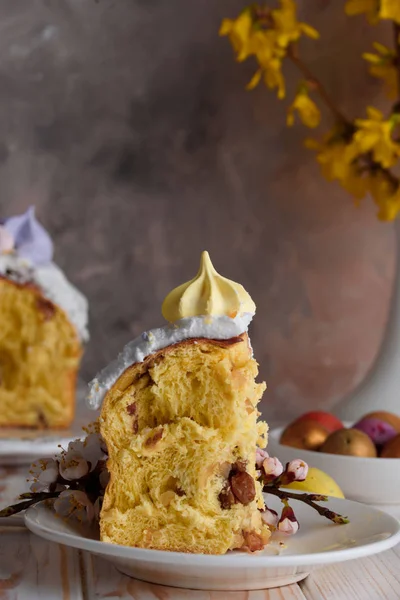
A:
309,499
35,498
317,85
396,32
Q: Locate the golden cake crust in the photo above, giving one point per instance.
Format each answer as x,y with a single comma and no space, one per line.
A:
40,354
135,370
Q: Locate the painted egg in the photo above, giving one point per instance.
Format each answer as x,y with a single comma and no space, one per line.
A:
379,431
351,442
388,417
330,422
305,435
392,448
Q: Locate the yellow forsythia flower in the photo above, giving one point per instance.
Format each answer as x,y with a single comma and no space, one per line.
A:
331,156
307,109
383,66
389,210
262,44
355,183
390,9
388,74
338,163
266,34
286,25
255,80
386,195
369,7
239,31
374,9
374,135
248,40
273,77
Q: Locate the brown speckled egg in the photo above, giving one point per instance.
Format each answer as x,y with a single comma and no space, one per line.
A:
349,441
392,448
388,417
305,435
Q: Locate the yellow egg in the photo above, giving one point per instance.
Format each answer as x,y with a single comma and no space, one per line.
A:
318,482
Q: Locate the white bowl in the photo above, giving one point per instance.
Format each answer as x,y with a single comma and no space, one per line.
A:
370,480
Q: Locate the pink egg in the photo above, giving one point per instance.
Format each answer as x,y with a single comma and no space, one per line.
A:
379,431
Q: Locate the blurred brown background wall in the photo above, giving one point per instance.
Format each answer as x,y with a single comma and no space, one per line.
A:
127,124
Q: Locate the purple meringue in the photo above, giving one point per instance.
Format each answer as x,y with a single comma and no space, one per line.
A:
31,240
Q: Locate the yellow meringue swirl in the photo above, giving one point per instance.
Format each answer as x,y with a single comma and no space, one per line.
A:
207,294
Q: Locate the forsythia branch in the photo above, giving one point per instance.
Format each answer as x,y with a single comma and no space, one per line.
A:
315,84
359,153
396,31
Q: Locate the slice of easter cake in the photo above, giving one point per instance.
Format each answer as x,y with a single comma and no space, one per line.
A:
179,417
43,327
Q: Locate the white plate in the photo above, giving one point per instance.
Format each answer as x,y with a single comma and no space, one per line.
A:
19,446
318,542
357,476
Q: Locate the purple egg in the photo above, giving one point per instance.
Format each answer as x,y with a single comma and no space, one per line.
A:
379,431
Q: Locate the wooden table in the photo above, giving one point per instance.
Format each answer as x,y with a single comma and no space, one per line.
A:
32,568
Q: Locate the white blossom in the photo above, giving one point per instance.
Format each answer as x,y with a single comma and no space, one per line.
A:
73,466
272,466
288,526
298,468
44,472
81,457
74,504
91,449
270,517
288,523
261,455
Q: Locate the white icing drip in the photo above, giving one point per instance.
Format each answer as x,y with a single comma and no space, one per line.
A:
54,285
217,328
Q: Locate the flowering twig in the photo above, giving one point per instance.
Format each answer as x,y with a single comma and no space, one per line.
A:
34,498
359,153
274,477
309,499
396,31
76,478
316,84
370,164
